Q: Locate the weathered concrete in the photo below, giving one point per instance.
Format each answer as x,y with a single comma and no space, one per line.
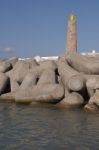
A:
49,93
50,83
71,101
48,64
83,64
5,66
8,97
90,107
12,61
29,80
19,71
32,63
92,84
71,78
95,98
47,77
14,85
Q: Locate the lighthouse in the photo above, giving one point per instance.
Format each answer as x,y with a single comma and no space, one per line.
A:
71,40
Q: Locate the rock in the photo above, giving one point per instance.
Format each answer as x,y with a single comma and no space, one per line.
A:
4,80
71,101
48,93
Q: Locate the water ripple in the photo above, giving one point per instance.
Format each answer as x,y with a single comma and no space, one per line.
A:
27,127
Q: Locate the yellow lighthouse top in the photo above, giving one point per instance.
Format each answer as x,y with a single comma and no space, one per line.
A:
72,17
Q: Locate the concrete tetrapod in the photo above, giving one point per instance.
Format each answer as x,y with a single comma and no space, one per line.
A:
14,85
71,79
76,83
12,61
29,80
48,93
72,100
93,103
92,84
95,98
8,97
32,63
47,77
3,82
48,64
5,66
90,107
83,64
19,71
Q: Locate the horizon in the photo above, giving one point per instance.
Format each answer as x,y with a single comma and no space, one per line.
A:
33,28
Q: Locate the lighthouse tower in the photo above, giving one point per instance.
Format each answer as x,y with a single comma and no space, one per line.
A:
71,40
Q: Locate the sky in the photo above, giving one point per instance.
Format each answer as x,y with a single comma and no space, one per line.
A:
38,27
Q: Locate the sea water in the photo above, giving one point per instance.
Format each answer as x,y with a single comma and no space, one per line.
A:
24,127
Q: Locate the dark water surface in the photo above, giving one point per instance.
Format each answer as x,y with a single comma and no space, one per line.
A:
24,127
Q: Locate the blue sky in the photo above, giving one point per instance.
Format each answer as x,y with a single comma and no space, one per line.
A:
38,27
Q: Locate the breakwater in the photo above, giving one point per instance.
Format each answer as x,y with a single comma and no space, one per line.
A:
71,81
